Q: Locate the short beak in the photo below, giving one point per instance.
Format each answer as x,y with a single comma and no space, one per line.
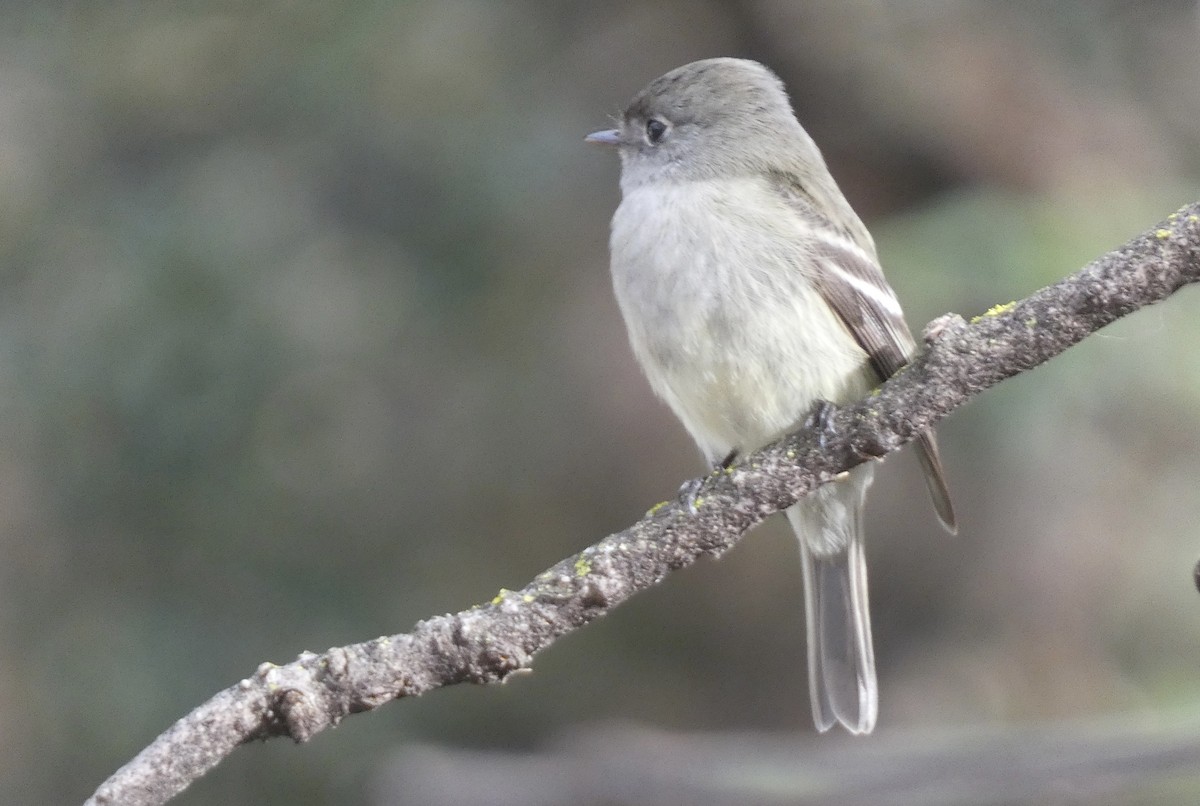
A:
611,137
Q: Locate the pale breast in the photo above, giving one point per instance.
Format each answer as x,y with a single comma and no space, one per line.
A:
710,277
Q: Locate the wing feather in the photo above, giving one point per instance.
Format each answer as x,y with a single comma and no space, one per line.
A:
849,278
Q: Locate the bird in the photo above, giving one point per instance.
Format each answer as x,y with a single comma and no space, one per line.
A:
752,292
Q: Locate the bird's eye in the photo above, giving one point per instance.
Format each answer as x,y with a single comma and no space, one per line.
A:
656,130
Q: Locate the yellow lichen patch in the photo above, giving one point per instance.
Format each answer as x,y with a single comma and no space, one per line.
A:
655,509
995,310
500,596
1162,234
582,567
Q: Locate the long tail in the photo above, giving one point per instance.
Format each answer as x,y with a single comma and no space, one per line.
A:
841,660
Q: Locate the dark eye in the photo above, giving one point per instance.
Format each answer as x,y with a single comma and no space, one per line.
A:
656,130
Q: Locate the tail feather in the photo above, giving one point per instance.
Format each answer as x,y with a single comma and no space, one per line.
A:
841,659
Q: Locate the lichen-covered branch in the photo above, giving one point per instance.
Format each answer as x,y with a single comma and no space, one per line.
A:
489,642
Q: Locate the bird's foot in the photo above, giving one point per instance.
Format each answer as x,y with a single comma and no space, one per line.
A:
689,495
820,419
728,461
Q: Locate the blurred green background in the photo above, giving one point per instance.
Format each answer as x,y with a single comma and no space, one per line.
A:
306,333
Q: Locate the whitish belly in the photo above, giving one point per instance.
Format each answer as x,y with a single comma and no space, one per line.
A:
722,318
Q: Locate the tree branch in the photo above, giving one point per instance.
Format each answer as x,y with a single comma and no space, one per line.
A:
489,642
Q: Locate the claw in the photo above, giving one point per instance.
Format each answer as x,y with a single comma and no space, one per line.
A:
820,419
689,495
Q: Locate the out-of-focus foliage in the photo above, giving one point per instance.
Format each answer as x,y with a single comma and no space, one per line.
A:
305,333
